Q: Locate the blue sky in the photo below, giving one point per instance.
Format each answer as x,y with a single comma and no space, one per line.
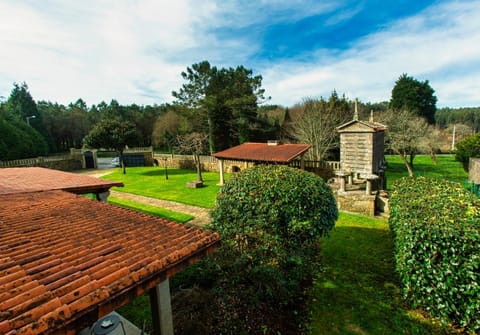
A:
134,51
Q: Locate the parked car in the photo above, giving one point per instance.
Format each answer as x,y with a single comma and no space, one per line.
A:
116,161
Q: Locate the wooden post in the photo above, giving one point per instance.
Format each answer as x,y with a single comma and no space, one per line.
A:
160,303
302,162
220,167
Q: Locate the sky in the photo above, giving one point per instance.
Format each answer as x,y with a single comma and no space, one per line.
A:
135,51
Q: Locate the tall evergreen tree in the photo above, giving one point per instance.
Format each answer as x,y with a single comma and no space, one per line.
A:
414,96
226,100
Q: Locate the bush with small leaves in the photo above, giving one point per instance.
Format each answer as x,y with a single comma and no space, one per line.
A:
467,148
436,227
270,219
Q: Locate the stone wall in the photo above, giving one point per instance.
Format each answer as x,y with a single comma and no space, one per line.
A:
474,170
209,163
65,163
356,202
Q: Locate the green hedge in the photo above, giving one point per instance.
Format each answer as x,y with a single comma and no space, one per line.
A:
270,219
436,225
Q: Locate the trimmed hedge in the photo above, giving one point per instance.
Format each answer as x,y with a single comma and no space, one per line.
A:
270,219
436,225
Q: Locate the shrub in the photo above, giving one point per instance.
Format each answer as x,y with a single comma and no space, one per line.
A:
270,219
468,147
437,248
19,140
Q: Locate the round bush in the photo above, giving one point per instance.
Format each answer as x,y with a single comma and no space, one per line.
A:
292,206
270,219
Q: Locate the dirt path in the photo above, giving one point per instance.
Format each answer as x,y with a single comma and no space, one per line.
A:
201,215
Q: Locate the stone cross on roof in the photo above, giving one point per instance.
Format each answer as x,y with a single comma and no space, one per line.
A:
355,115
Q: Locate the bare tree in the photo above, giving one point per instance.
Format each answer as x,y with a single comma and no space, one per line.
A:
431,143
316,124
195,144
406,135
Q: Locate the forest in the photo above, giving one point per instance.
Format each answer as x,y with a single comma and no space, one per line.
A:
227,105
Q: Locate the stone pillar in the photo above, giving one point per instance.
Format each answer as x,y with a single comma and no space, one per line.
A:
370,179
341,175
160,302
220,168
103,196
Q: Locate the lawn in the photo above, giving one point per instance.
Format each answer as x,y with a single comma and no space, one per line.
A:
356,290
151,182
156,211
447,167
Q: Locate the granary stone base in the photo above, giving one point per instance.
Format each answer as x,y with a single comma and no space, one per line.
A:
356,202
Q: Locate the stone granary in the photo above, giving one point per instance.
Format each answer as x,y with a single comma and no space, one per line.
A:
362,165
362,151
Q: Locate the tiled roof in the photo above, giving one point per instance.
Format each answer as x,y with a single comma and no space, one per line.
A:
30,179
66,260
264,152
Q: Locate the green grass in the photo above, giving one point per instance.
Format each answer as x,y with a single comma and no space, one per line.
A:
447,167
356,291
160,212
151,182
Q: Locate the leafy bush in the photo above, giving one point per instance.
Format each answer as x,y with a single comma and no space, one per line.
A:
19,140
468,147
436,225
270,219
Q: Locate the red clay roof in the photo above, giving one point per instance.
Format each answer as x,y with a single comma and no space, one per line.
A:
31,179
66,260
263,152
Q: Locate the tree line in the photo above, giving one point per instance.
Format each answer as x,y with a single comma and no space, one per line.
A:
226,107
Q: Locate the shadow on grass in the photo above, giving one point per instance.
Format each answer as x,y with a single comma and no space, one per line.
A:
171,172
357,291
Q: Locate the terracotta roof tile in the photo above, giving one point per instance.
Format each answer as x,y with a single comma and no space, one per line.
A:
34,179
264,152
66,260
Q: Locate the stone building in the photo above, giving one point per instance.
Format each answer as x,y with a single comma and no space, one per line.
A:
362,149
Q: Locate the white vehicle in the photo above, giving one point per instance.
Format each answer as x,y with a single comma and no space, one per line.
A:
116,161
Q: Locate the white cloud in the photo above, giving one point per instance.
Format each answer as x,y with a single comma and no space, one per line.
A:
134,51
98,50
423,46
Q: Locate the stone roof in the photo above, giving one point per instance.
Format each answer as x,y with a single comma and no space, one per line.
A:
66,260
264,152
361,126
30,179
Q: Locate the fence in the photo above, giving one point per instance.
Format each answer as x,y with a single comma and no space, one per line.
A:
33,161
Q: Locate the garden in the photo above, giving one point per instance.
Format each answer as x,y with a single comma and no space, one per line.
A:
354,286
